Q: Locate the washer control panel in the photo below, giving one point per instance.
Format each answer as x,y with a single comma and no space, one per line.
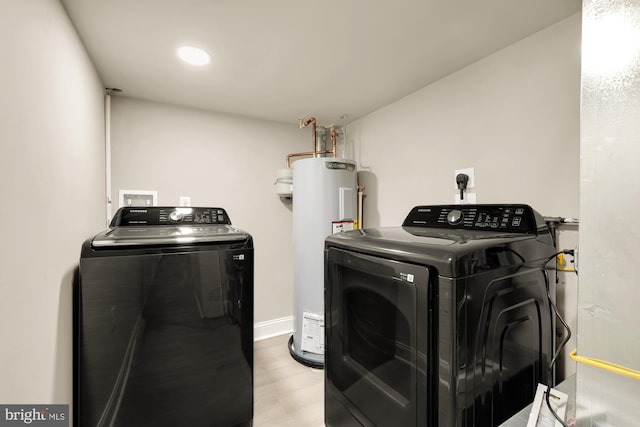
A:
155,215
503,218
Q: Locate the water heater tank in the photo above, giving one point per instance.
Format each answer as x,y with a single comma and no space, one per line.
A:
324,202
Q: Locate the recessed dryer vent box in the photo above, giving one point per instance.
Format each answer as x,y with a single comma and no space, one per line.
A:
138,198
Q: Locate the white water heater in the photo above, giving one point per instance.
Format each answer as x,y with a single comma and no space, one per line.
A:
324,202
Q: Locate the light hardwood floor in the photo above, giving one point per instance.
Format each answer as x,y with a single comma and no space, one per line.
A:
286,393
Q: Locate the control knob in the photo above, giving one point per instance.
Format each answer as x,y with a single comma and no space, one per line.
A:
176,216
455,216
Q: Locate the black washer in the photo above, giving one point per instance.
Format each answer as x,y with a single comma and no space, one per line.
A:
165,321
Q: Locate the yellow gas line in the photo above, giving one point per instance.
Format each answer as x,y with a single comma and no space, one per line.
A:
607,366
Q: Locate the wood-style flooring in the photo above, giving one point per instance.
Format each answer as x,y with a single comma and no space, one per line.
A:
286,393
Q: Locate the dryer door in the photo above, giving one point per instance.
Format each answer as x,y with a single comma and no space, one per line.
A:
376,315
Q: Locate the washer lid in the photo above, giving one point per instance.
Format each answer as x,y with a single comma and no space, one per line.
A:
166,225
167,235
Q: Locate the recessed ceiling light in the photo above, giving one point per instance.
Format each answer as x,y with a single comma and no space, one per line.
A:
194,55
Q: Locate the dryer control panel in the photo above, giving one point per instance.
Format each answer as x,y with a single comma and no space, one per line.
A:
130,216
502,218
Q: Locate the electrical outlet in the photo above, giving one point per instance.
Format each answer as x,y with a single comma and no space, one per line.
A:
540,415
470,172
185,201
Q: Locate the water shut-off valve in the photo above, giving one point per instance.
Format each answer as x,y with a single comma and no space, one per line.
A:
461,180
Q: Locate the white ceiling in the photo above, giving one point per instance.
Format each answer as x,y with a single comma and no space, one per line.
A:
287,59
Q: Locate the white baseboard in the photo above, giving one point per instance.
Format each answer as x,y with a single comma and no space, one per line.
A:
272,328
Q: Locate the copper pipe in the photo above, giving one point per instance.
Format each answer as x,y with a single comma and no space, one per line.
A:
308,153
315,152
334,137
289,156
311,120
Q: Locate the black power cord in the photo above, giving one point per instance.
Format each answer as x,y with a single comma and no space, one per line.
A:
557,417
562,344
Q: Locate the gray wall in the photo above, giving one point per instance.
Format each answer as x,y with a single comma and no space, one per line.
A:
513,116
217,160
52,187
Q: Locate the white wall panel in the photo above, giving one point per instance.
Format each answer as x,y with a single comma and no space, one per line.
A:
608,314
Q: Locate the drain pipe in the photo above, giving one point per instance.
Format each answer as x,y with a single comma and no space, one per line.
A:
360,197
107,153
107,148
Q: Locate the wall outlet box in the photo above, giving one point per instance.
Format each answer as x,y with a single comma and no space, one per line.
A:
185,201
470,172
540,415
138,198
